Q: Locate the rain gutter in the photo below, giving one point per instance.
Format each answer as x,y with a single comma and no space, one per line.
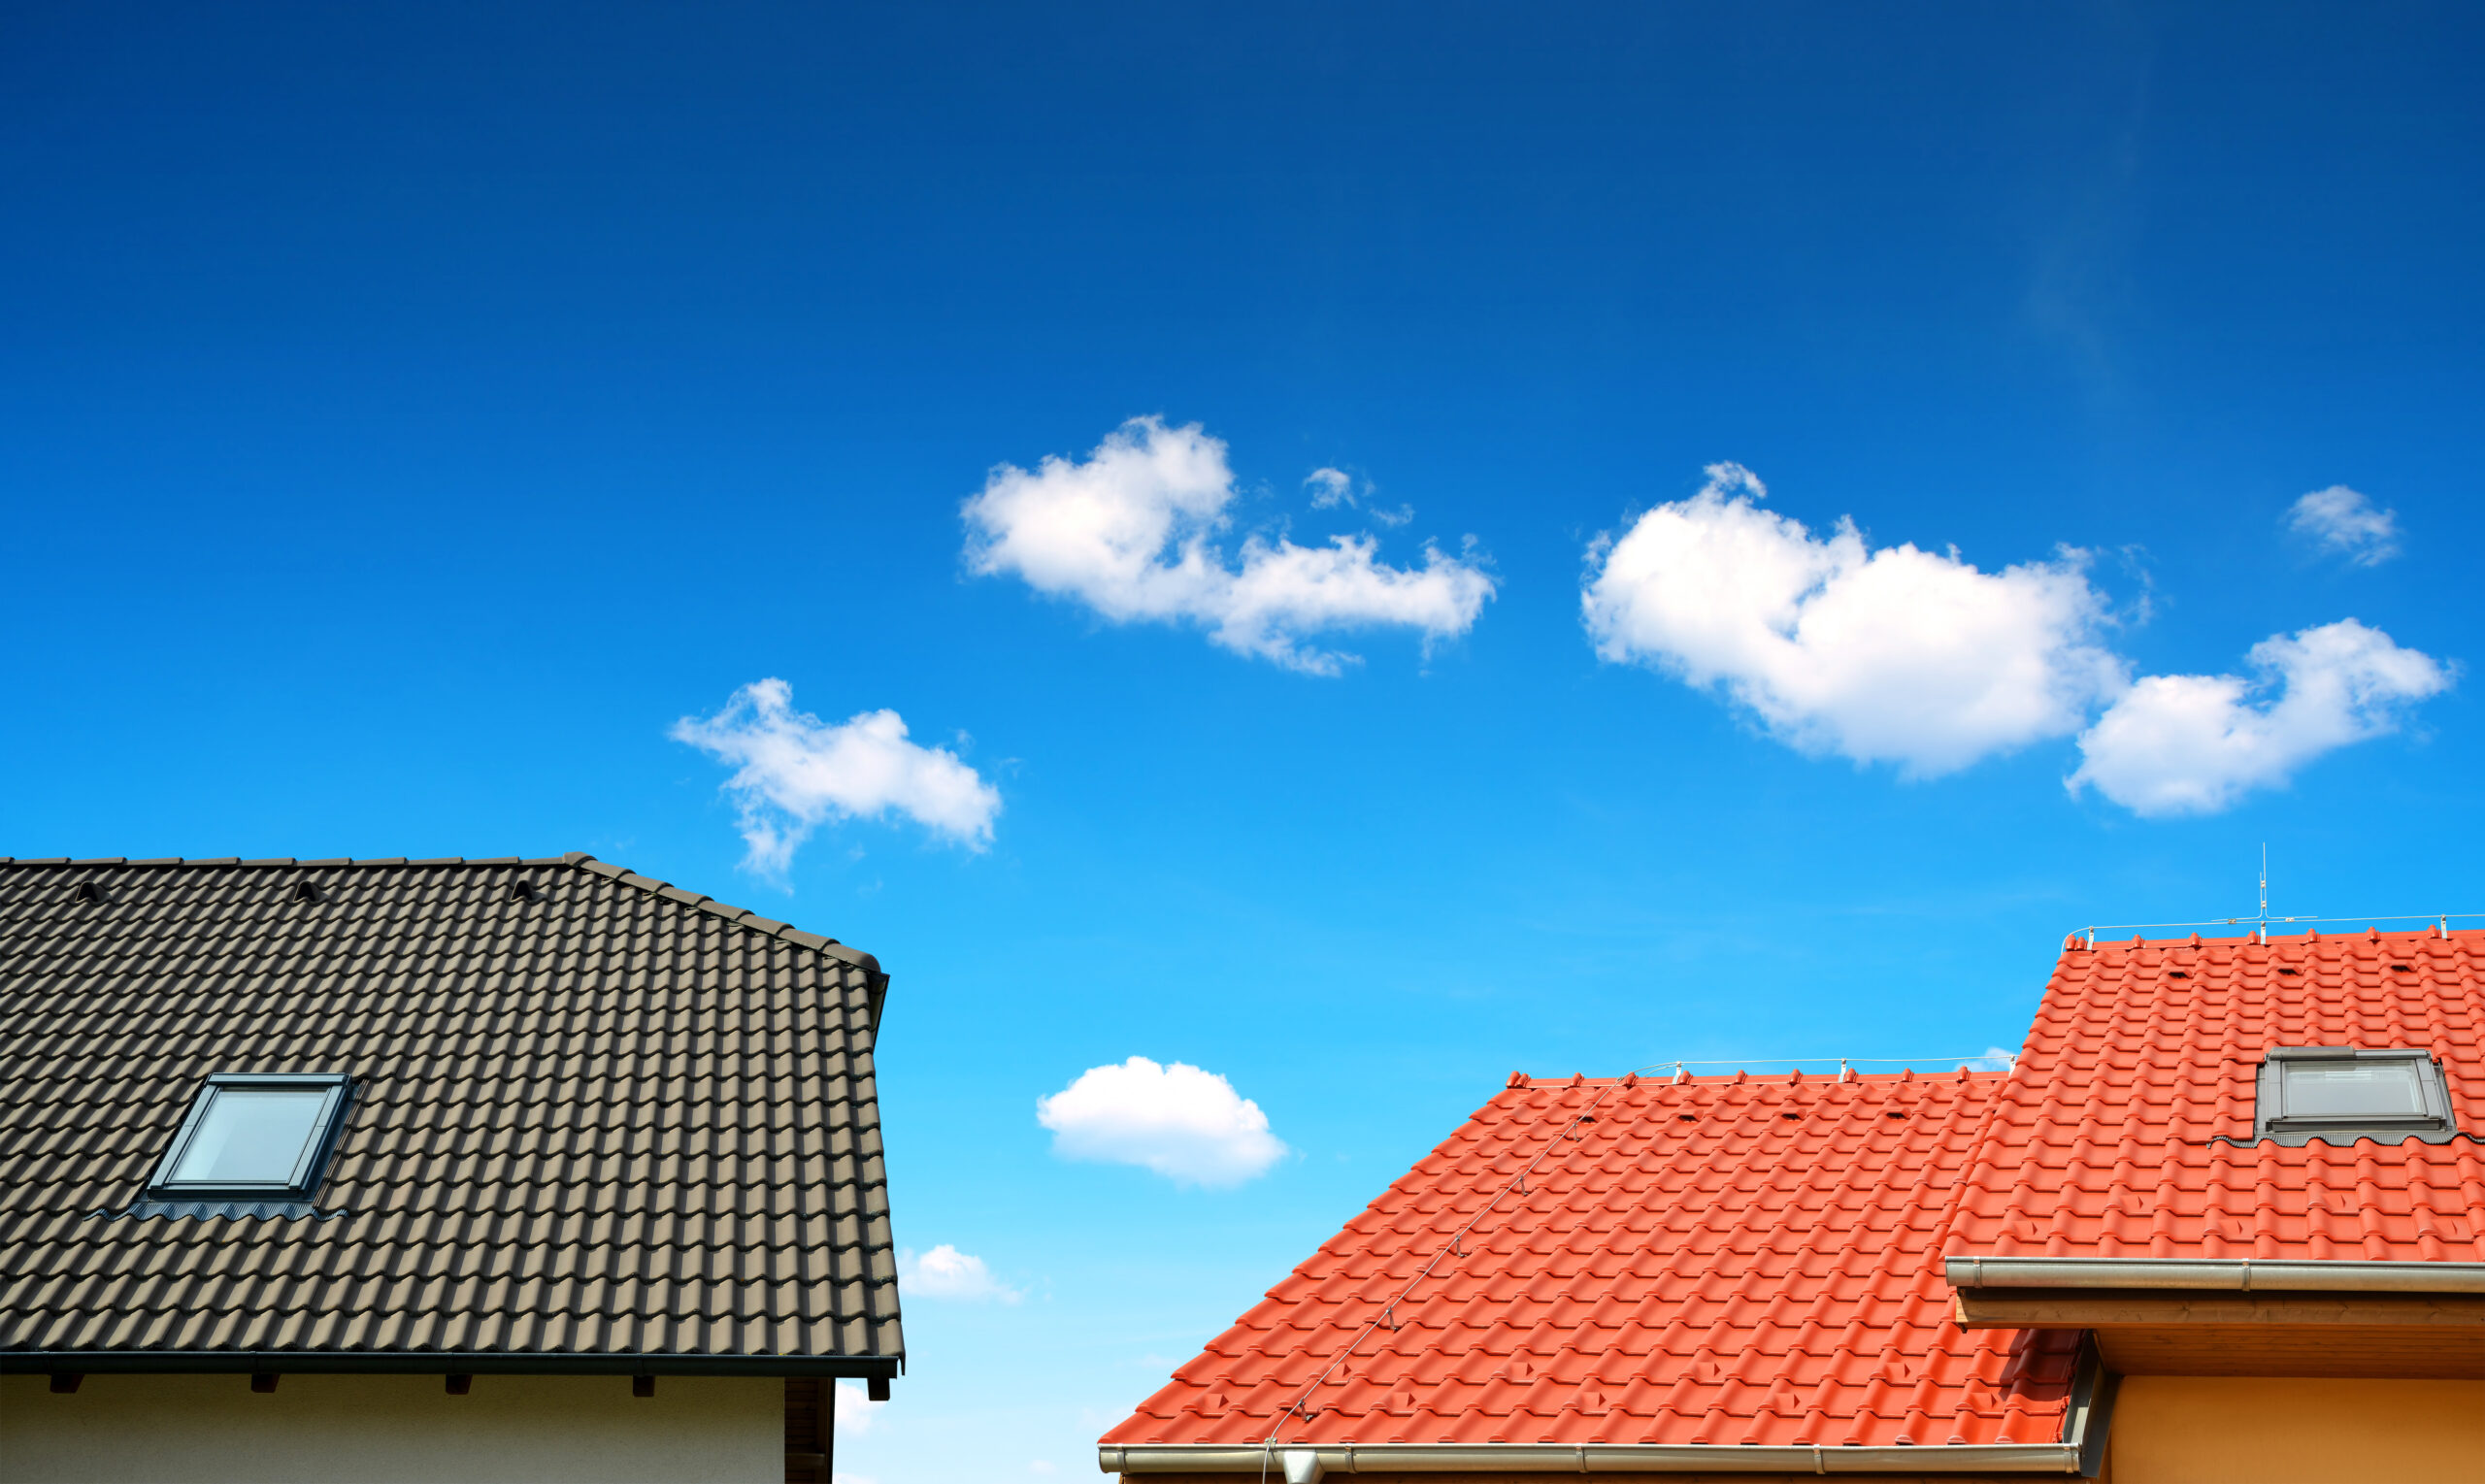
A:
2232,1275
2081,1452
1306,1466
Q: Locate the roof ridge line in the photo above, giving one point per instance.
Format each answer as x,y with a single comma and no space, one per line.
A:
769,927
275,862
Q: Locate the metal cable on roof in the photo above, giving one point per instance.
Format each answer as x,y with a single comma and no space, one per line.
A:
2261,924
1268,1447
1518,1182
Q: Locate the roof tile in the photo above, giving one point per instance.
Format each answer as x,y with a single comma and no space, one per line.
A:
1638,1290
2141,1061
597,1122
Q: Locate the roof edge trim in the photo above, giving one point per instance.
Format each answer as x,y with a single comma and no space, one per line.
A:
767,927
437,1363
2232,1274
1591,1458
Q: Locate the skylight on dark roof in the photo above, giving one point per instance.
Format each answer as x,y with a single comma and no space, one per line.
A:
254,1137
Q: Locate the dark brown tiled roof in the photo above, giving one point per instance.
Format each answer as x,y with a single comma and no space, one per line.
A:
607,1125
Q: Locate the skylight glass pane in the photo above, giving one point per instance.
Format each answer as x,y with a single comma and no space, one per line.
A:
251,1138
2354,1089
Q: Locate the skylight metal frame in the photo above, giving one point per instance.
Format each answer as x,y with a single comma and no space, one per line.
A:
2272,1122
310,1167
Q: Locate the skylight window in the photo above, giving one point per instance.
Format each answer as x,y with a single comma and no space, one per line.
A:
254,1137
2338,1095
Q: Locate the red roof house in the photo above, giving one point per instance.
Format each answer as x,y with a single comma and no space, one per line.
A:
2229,1193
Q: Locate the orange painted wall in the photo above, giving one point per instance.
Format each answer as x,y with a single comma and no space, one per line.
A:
2255,1430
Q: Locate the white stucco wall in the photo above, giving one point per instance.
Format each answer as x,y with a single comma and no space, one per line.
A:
208,1429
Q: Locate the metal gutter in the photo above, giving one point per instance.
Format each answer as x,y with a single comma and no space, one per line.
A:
2229,1274
2081,1452
1306,1465
435,1363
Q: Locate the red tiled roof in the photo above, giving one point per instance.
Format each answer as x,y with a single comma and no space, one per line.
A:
2142,1053
1726,1260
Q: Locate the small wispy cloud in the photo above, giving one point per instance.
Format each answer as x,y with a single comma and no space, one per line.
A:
946,1272
2348,523
1332,488
1132,532
794,772
1184,1123
856,1412
2197,743
1995,1059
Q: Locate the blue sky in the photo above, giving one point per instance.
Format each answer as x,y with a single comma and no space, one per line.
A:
420,425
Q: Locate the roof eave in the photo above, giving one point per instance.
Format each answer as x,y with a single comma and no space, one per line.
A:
436,1362
2081,1452
1591,1458
2228,1274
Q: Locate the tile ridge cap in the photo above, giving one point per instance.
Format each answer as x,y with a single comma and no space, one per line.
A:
288,862
741,917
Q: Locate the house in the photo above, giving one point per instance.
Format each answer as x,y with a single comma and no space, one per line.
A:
430,1170
2220,1221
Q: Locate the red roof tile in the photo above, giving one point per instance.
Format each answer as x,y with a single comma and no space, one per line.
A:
1726,1260
2144,1053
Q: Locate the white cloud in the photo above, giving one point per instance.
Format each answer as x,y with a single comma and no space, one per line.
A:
856,1412
1039,1465
1334,488
1897,654
1130,532
793,772
2344,521
946,1272
2195,743
1177,1120
1995,1059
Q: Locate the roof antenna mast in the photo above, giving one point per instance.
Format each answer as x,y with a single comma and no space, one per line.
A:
2265,891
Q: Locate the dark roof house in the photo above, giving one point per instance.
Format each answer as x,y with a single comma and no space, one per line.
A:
2221,1220
603,1153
